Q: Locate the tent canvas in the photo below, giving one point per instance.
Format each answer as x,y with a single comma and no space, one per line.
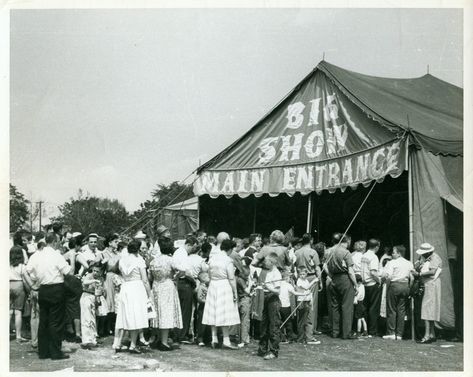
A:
338,129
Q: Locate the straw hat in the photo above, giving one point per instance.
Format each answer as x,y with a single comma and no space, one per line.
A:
161,229
425,248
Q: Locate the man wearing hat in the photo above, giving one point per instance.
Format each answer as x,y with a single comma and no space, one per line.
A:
88,253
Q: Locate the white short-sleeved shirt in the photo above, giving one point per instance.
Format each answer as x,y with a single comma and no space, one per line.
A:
47,266
303,286
286,289
369,262
398,270
356,258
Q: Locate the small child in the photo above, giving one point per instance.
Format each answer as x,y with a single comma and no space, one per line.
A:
269,278
360,310
91,286
202,330
244,304
101,305
286,290
304,301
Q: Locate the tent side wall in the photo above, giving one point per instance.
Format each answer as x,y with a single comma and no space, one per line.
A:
431,183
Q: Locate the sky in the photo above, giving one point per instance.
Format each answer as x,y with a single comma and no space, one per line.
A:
115,102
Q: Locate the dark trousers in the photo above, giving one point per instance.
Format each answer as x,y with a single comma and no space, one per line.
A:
342,295
396,297
202,331
51,320
303,320
270,334
372,303
185,291
288,326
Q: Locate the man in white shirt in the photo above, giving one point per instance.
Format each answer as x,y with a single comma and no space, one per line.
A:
359,249
372,283
47,268
88,253
398,272
185,285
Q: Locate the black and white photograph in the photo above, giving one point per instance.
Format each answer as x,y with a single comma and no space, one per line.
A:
262,188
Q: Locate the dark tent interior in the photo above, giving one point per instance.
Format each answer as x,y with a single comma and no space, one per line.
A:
385,214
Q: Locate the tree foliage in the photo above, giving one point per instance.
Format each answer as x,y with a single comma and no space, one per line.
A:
173,193
148,215
18,209
88,214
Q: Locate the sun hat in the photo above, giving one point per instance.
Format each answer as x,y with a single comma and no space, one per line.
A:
140,236
161,229
425,248
75,234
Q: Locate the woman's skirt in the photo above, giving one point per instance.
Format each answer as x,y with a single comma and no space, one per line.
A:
110,291
168,308
430,310
133,309
220,309
17,295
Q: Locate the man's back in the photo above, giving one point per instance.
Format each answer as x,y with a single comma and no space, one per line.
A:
281,252
308,258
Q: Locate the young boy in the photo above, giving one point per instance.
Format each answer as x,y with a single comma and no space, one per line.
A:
202,330
359,309
304,301
286,290
269,279
244,304
91,292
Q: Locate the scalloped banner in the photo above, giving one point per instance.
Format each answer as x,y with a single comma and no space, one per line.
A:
340,173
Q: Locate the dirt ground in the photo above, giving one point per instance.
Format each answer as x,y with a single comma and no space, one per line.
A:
373,354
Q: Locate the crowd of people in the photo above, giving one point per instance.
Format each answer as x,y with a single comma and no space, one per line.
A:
218,291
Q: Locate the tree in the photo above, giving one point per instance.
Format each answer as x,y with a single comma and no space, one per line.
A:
147,217
88,214
18,209
173,193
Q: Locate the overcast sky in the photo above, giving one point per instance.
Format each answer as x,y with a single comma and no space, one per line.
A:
117,101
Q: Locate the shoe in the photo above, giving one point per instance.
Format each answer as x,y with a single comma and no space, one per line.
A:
351,337
142,343
201,344
164,347
389,337
317,332
185,341
21,340
77,339
88,346
425,341
283,342
269,356
134,350
62,356
398,337
229,346
314,341
241,345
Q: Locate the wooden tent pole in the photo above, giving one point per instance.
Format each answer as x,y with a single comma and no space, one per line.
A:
411,229
309,213
254,214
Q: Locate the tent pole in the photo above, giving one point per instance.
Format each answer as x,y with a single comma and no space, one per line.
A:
309,213
411,229
254,214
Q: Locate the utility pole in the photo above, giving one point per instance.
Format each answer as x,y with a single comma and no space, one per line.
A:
40,213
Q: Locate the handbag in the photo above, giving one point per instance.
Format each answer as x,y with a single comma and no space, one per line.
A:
151,310
417,289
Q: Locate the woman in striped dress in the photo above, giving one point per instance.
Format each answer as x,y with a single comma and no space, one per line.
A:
221,309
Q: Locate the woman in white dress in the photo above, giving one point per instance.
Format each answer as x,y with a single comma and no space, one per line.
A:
134,294
221,309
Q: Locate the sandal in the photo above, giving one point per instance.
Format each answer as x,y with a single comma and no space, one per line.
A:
425,340
134,350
